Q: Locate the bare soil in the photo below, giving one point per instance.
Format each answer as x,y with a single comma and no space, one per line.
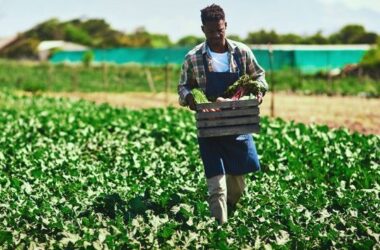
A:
355,113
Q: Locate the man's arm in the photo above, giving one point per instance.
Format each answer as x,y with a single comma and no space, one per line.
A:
255,70
184,90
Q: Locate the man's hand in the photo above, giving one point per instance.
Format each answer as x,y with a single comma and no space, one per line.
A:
210,110
259,97
190,100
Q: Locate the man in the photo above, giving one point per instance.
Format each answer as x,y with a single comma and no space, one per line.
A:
213,66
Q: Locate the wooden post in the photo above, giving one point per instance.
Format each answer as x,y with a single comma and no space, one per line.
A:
299,73
150,80
50,76
271,80
360,74
74,78
105,75
167,83
328,76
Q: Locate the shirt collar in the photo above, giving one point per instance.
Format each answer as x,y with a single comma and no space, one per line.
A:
231,47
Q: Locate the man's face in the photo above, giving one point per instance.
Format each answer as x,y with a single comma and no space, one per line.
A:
215,32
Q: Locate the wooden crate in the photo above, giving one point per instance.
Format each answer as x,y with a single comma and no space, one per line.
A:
233,118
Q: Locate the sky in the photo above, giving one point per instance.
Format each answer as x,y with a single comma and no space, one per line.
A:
180,18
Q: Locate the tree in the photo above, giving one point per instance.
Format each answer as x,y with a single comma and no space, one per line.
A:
140,38
353,34
160,41
290,39
317,38
263,37
48,30
95,27
189,41
235,38
21,49
368,38
77,35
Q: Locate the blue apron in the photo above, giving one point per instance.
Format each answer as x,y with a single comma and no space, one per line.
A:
233,154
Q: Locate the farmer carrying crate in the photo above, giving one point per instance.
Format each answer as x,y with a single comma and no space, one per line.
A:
212,67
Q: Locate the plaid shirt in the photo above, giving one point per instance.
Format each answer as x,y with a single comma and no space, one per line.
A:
193,73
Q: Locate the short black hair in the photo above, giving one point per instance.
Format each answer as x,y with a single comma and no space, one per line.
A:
212,13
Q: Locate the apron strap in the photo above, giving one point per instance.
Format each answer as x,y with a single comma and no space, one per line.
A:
205,63
238,62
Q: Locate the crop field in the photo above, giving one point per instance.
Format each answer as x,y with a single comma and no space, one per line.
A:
44,77
358,114
79,175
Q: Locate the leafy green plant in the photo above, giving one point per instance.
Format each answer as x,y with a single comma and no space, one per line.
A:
79,175
199,96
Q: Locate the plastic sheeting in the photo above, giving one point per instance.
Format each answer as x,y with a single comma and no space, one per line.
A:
307,61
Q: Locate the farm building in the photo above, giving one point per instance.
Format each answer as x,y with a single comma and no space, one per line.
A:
307,58
45,48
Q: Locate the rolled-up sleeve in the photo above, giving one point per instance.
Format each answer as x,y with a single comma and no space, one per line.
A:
254,69
183,85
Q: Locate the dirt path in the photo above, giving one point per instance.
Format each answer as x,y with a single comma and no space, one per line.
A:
356,113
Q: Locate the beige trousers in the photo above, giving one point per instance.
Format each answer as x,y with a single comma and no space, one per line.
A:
224,189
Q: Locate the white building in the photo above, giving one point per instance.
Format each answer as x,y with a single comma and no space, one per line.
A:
46,47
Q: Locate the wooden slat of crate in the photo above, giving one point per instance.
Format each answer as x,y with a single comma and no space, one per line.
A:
230,130
227,113
232,118
228,121
228,104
